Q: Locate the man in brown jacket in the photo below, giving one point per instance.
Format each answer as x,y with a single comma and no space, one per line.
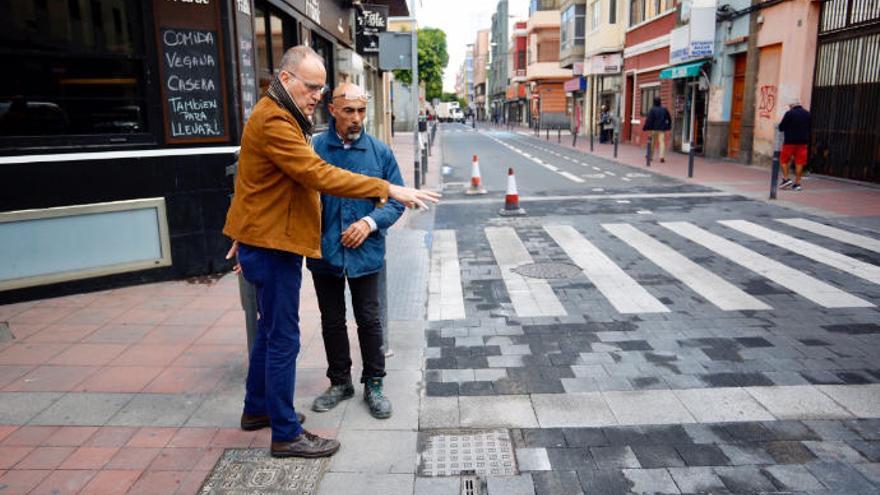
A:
275,220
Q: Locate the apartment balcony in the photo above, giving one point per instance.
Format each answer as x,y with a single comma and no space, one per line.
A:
519,76
571,54
547,70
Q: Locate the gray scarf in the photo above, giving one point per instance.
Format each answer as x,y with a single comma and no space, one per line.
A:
280,96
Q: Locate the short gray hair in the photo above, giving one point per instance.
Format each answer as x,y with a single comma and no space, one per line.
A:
295,55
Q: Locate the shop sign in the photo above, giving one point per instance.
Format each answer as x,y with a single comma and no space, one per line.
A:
371,20
679,40
576,84
609,63
702,29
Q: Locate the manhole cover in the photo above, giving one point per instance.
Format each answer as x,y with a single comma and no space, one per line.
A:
450,453
248,471
549,270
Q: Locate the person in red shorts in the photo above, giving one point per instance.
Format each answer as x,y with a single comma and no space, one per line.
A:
796,127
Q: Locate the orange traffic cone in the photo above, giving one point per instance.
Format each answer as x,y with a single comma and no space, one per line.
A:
476,180
511,199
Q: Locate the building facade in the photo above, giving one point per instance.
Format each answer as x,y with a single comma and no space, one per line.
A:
498,72
605,26
518,110
546,78
481,74
118,132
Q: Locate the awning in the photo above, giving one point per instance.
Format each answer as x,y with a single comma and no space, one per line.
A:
685,70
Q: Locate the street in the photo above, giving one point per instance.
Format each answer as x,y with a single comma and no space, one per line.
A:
639,334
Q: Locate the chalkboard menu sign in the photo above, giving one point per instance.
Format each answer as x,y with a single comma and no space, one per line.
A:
244,27
191,75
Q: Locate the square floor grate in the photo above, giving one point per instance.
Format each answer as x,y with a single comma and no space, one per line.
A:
250,471
481,452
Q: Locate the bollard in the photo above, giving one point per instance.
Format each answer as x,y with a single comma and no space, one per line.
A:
691,161
558,135
424,163
417,175
591,139
616,139
574,139
648,151
774,171
548,134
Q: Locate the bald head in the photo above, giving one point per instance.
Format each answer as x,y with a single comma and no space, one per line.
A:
349,108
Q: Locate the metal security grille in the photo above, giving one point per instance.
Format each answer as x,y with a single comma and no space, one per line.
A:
846,91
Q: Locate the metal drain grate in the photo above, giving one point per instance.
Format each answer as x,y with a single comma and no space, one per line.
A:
452,453
470,484
548,270
245,471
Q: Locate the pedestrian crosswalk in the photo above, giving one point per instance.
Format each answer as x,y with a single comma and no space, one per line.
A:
605,257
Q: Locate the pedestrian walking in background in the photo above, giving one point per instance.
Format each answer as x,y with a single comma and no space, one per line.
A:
274,220
606,125
353,251
795,126
658,123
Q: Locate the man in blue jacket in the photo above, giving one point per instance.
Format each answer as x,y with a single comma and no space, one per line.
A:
658,123
353,249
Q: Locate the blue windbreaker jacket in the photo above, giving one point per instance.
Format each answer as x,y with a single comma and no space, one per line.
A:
369,156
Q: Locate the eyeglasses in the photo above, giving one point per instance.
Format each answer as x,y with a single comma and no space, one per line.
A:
360,95
312,87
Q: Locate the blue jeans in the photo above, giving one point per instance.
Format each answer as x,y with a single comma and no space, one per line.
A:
277,276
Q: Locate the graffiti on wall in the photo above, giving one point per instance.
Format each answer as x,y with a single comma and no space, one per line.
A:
767,101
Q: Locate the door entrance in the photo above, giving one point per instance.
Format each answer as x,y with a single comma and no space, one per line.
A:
694,117
736,106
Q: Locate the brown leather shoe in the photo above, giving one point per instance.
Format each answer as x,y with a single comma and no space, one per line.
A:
305,445
251,423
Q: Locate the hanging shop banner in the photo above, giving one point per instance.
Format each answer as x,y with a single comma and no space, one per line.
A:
679,39
371,20
608,63
702,29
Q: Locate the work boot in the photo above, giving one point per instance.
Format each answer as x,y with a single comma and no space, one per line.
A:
332,397
380,406
252,423
305,445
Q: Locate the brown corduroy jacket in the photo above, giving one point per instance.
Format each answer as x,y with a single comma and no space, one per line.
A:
277,204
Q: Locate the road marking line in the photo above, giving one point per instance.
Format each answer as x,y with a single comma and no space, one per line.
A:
820,254
529,296
571,177
610,173
625,179
708,285
596,168
587,197
841,235
624,293
793,280
445,293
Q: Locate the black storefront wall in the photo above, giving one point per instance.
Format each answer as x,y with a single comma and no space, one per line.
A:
195,186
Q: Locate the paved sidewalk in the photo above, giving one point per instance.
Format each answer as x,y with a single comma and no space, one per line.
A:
821,195
139,389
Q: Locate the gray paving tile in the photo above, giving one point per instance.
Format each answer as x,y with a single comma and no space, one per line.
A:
696,479
647,407
556,483
437,486
719,405
438,412
533,459
334,483
797,402
744,479
744,454
793,477
861,400
841,478
834,452
397,454
219,410
85,409
158,410
17,408
651,482
512,411
871,472
561,410
510,485
615,457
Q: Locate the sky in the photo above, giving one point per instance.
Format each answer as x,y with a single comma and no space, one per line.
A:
461,19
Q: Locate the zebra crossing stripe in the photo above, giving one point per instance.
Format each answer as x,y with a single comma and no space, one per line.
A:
624,293
798,282
530,297
841,235
445,295
710,286
816,253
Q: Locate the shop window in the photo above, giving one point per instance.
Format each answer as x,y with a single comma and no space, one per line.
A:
612,11
73,74
275,33
645,10
647,98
